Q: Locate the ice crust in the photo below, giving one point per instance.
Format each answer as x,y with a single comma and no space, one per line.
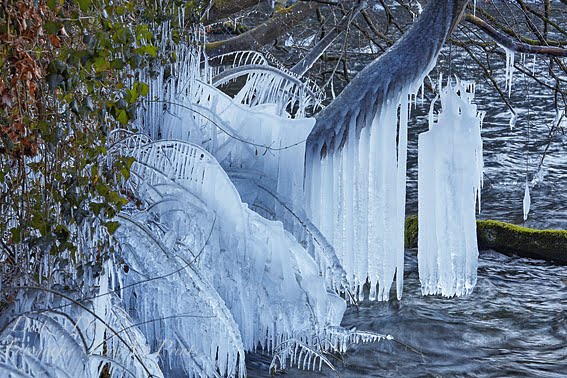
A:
251,284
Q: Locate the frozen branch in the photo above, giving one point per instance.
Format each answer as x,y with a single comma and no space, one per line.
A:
401,66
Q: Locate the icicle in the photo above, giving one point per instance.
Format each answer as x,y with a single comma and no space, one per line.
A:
526,201
401,192
538,177
509,69
419,7
368,185
559,118
513,119
449,179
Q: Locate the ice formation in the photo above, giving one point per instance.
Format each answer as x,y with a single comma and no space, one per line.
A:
509,69
245,280
357,199
356,157
73,339
266,84
527,201
244,250
262,287
513,119
202,277
449,181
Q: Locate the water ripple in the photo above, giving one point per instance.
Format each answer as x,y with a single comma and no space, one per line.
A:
514,324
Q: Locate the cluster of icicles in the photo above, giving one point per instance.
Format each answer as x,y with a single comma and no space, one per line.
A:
219,255
357,197
449,182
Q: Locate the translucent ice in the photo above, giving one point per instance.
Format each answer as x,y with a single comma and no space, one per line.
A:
527,201
449,179
252,281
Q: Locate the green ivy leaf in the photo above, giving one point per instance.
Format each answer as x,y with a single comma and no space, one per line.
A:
141,88
96,207
16,234
122,117
52,4
129,161
125,173
132,95
62,233
112,227
117,64
101,64
52,27
84,4
148,49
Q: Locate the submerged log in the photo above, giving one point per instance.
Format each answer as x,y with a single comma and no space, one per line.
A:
509,239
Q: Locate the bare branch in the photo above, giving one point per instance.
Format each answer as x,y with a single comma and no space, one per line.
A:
509,43
301,67
224,9
281,22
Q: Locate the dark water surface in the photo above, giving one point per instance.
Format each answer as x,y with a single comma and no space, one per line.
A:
513,325
535,149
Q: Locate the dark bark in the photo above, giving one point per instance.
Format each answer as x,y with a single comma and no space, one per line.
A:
281,21
513,45
225,8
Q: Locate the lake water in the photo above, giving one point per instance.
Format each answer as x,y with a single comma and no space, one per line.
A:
513,325
511,155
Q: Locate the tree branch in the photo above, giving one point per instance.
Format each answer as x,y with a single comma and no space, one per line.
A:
402,66
308,60
223,9
511,44
282,21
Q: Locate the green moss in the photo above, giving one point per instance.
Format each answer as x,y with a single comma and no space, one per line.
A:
522,241
213,45
410,235
509,239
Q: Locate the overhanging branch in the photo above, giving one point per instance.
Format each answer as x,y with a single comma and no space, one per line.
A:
282,21
511,44
223,9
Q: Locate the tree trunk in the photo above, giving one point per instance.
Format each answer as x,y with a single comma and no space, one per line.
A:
403,65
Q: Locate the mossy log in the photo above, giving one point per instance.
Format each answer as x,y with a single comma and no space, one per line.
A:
509,239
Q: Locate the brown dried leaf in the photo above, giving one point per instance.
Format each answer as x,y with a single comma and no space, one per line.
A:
54,41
